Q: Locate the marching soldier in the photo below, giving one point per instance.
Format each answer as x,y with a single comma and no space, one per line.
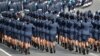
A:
53,32
28,36
85,35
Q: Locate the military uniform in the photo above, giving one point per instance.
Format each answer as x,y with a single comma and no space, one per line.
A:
86,33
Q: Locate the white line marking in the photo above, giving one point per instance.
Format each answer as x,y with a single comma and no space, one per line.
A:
93,54
5,52
87,4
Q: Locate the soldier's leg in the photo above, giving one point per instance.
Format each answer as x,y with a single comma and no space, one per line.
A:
83,49
16,44
87,47
26,48
65,45
51,44
61,39
13,47
9,41
71,46
0,37
19,45
58,38
79,47
76,48
35,42
95,47
29,45
41,44
38,44
54,50
47,46
87,50
22,46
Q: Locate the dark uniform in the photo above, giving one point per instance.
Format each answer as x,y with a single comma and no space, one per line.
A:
86,33
28,35
53,33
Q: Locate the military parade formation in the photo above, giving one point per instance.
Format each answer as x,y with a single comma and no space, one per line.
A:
42,24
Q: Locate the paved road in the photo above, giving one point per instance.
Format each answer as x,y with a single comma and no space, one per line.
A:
59,49
35,52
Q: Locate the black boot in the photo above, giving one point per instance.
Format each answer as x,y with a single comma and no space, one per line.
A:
87,51
91,47
95,48
54,50
26,51
38,46
46,49
70,47
13,47
65,45
76,49
51,50
22,50
34,44
0,40
80,50
83,51
42,48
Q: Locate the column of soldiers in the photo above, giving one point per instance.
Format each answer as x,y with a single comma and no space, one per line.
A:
16,34
81,31
44,35
45,32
